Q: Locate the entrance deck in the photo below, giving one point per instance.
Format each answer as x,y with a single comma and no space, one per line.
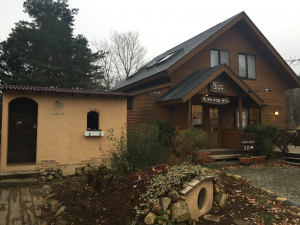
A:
224,153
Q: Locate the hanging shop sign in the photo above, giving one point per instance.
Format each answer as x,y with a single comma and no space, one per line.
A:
218,86
215,100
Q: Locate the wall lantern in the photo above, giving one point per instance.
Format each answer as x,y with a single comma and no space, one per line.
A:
276,112
58,104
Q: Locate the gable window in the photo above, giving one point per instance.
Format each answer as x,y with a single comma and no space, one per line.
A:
92,120
247,66
218,57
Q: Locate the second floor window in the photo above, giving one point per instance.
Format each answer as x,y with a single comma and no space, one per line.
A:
247,66
218,57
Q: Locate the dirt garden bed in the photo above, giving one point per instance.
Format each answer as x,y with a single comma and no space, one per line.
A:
113,202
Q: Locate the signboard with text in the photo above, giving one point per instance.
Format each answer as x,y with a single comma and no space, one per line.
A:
248,143
218,86
215,100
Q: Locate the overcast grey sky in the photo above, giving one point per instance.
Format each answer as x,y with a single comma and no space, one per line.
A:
164,24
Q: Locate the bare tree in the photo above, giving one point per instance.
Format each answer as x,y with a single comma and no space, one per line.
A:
124,55
293,108
293,61
102,45
127,52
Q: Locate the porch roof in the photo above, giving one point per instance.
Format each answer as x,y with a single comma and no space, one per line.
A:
198,79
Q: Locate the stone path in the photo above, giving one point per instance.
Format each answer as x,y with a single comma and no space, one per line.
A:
20,205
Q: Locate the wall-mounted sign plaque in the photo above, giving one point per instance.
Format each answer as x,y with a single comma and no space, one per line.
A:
218,86
215,100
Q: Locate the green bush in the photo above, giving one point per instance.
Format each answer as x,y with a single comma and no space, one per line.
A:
166,131
189,142
264,137
140,148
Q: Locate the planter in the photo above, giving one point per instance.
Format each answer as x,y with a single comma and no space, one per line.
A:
93,133
202,155
208,160
259,158
245,160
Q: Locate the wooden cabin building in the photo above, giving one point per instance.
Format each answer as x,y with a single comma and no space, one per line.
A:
221,80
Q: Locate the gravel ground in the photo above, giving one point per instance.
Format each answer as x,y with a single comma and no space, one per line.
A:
283,181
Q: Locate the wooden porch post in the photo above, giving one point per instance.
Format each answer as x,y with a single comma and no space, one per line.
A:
240,114
190,115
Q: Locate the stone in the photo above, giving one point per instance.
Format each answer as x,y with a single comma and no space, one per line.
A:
165,202
216,188
49,178
56,175
149,219
173,195
59,218
38,212
43,178
273,196
63,172
236,177
50,196
294,209
91,165
42,170
168,211
298,214
157,209
218,196
60,211
228,174
70,170
46,190
242,222
52,173
215,204
279,199
247,181
53,205
55,169
211,218
87,169
44,174
180,211
223,201
61,222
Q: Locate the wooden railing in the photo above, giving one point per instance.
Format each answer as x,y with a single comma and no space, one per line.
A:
286,137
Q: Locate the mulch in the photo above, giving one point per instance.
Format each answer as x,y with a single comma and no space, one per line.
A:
113,202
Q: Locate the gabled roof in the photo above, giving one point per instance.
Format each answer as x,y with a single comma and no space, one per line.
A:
181,50
60,90
198,79
190,47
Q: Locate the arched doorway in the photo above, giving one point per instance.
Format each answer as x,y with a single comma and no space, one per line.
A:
22,130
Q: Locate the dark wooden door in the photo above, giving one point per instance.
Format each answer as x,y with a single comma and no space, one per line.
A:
22,131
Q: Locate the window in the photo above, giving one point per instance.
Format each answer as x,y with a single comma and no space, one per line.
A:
250,116
218,57
247,66
92,120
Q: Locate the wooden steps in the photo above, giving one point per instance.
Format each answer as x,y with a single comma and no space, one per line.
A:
224,153
292,158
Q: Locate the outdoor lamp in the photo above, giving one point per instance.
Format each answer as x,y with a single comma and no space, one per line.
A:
276,112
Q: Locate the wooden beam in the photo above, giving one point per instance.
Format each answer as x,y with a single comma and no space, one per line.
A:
240,114
190,115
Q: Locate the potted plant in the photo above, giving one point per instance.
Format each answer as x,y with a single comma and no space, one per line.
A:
259,158
207,160
93,133
246,159
201,154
